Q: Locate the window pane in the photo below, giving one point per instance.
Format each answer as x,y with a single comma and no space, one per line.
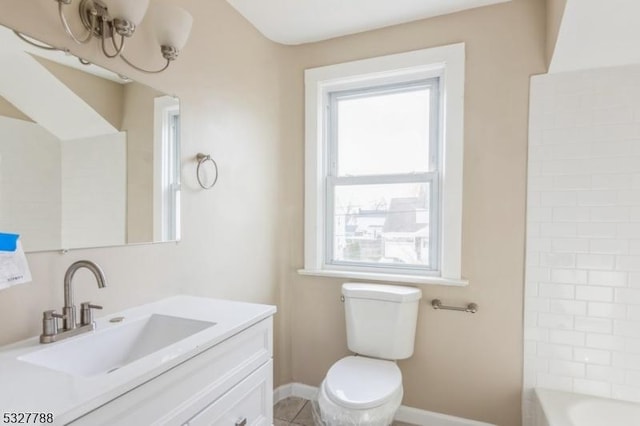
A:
384,133
384,224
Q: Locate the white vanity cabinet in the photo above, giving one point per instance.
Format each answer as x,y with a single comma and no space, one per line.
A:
228,384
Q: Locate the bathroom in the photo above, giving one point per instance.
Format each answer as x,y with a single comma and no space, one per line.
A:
547,245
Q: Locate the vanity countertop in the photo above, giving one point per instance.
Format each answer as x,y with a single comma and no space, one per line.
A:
26,387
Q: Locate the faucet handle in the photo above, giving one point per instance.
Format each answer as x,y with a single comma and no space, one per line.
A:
86,313
90,306
52,314
50,322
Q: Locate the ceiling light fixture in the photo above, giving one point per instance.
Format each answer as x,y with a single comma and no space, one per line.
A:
112,22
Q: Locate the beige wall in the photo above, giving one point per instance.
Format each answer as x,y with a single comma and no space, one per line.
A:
465,365
230,95
242,102
137,121
555,11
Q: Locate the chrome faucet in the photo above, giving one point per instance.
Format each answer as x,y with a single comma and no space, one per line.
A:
69,310
70,328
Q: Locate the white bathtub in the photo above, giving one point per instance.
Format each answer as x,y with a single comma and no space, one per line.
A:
556,408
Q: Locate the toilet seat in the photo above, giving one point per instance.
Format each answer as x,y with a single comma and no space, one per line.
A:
361,383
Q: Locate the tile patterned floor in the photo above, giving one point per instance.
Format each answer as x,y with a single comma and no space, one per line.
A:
294,411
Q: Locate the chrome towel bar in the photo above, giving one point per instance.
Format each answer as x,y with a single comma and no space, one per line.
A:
471,308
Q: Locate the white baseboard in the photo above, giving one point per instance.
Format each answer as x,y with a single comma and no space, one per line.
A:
295,389
404,414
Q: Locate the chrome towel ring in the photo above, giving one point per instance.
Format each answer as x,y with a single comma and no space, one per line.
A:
203,158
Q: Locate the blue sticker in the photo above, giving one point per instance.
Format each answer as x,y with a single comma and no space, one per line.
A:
8,242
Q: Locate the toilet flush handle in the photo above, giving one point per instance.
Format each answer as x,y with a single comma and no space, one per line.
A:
241,422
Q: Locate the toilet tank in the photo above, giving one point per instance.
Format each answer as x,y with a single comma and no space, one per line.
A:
381,319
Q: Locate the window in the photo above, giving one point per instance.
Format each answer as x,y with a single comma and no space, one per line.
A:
167,169
384,167
382,180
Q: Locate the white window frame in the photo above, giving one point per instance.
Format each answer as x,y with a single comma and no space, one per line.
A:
446,63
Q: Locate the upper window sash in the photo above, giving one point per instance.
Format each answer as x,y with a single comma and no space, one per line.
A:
331,124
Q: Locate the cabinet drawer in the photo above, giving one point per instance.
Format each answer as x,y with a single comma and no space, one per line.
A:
180,393
249,403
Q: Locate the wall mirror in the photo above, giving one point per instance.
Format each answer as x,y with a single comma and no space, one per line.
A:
88,158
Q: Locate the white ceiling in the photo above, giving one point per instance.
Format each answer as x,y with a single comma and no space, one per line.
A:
304,21
597,33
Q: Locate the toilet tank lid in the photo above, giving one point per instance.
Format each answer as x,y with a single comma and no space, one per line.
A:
392,293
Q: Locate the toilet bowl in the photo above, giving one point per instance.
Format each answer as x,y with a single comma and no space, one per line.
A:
360,391
366,389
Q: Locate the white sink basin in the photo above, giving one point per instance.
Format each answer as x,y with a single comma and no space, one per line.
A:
105,351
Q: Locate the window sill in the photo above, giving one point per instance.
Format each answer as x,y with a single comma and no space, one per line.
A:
371,276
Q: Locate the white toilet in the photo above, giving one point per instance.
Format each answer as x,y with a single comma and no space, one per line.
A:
366,389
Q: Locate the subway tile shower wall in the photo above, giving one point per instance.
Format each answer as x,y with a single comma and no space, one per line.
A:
582,304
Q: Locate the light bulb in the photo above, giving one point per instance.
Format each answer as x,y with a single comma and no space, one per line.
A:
129,10
172,25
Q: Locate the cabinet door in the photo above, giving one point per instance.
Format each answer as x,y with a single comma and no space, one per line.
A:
249,403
